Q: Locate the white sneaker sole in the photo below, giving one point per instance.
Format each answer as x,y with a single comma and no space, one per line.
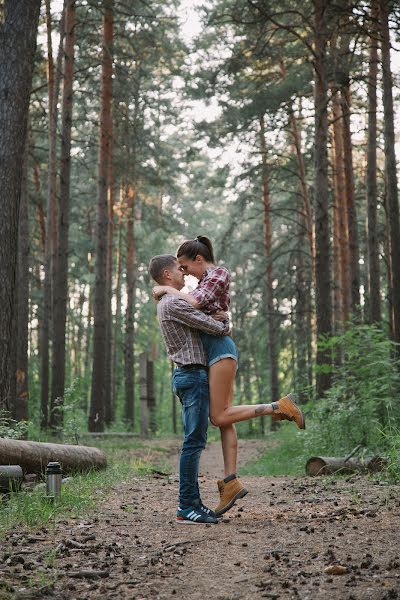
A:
188,522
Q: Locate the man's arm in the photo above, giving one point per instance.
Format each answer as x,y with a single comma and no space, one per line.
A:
179,310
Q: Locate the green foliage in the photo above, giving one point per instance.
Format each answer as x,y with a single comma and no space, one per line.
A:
391,440
285,454
361,401
12,429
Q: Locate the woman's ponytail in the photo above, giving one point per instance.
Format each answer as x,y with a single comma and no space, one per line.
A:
200,245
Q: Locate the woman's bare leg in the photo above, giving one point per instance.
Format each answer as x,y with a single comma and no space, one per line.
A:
229,449
222,413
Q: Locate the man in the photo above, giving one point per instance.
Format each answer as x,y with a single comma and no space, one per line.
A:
180,324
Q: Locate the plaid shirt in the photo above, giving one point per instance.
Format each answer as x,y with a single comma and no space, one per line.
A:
212,292
180,324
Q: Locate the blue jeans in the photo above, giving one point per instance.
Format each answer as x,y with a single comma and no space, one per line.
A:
191,387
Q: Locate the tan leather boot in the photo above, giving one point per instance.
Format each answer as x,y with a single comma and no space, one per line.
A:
229,493
287,409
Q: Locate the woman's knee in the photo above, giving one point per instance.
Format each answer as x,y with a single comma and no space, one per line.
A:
217,420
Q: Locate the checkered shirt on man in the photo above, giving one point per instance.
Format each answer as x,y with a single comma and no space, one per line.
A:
180,326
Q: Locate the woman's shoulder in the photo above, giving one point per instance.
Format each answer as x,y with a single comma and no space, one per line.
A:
220,270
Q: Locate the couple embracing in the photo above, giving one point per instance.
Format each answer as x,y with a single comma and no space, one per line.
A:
196,332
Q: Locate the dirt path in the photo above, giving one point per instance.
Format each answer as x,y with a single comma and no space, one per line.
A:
276,543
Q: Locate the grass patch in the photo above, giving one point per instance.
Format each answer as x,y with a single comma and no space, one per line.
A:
286,453
83,492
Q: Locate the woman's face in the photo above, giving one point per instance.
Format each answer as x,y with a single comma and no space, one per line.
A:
194,267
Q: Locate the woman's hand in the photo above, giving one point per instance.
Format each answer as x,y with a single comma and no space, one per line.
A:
160,290
220,316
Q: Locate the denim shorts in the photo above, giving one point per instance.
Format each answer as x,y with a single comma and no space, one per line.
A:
218,347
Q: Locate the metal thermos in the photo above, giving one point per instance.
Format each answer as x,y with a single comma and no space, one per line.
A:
53,480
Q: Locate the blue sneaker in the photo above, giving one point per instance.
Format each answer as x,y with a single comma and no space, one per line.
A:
207,510
194,516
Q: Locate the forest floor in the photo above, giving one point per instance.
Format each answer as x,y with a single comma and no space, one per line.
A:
276,543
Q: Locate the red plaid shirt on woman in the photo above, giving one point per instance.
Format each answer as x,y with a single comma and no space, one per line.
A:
212,292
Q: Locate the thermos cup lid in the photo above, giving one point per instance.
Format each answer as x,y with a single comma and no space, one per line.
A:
54,467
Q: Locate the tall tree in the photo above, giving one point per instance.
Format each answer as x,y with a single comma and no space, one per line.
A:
129,321
18,28
270,309
321,191
20,403
60,292
100,393
374,285
53,81
392,198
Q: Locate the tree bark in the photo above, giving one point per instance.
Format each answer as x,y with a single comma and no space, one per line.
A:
17,50
374,287
60,292
50,236
99,392
328,465
117,325
390,167
110,403
354,253
322,230
34,456
130,307
271,313
341,233
20,404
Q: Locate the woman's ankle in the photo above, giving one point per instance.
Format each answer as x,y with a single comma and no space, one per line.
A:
263,410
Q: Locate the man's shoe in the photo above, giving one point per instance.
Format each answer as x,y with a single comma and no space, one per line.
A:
207,511
229,493
287,409
194,516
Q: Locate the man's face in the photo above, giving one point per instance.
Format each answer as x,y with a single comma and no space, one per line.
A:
176,277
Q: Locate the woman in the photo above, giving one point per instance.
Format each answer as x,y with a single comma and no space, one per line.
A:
196,257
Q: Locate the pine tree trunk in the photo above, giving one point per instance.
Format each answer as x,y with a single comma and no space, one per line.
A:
50,236
271,314
60,291
390,168
17,49
354,254
20,404
100,393
374,287
322,229
88,353
130,304
302,331
117,325
110,405
341,236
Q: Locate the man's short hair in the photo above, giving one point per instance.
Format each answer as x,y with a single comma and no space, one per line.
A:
159,263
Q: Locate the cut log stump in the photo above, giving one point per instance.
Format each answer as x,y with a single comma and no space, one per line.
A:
10,478
34,456
328,465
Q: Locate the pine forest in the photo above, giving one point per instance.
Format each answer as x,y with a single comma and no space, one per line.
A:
269,127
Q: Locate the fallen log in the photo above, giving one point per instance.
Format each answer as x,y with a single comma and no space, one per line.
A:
109,434
34,456
328,465
10,478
